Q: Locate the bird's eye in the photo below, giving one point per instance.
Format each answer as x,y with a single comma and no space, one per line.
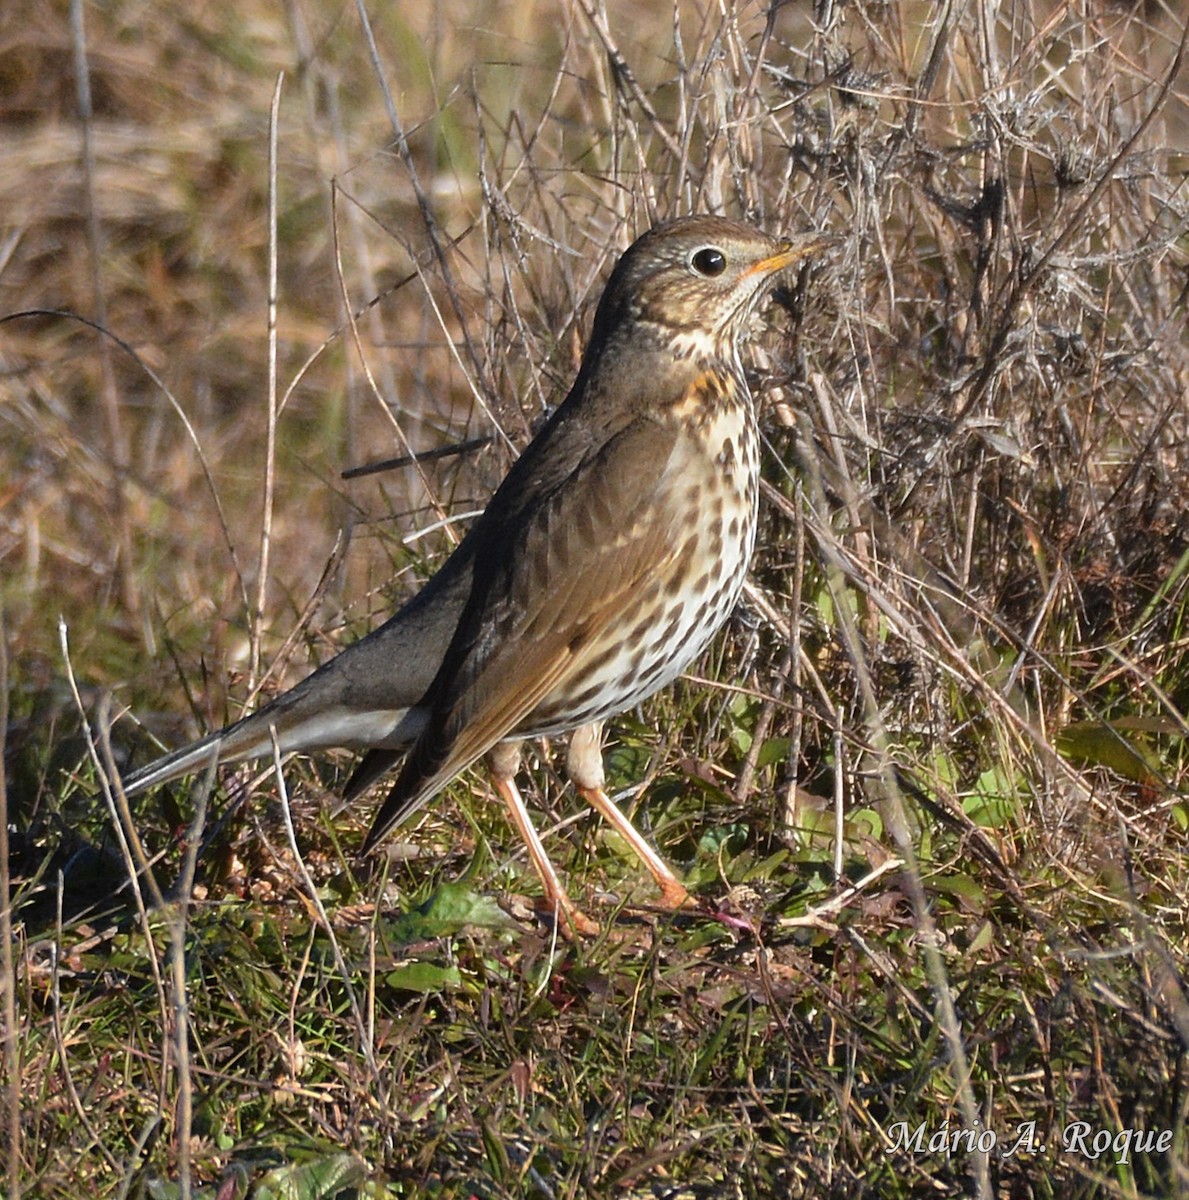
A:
709,262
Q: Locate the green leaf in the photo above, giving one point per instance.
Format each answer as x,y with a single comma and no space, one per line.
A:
1109,744
774,750
994,800
962,887
729,839
451,908
318,1180
766,869
424,977
867,821
741,739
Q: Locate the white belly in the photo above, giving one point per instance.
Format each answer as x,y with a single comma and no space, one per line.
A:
651,649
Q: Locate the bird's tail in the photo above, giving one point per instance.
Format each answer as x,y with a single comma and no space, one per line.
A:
249,738
313,715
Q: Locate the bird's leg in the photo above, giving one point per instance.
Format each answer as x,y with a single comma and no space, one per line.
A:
584,765
503,761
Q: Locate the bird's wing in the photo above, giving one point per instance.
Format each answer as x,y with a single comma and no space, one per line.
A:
537,612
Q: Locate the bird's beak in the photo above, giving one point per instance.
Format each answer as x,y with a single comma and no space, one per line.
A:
793,250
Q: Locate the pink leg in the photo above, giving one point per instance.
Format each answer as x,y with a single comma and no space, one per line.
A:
584,765
574,922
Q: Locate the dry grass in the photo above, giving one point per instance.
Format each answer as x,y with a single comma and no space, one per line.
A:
965,651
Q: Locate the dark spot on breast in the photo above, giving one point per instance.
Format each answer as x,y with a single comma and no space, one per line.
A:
584,697
674,624
654,670
637,633
601,659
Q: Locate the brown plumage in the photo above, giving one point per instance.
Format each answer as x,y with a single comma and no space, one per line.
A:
611,553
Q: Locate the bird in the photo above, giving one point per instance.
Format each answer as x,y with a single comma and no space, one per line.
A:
611,553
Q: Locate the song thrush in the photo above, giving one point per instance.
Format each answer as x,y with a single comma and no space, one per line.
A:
606,560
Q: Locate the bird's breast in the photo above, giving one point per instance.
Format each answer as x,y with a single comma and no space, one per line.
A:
708,500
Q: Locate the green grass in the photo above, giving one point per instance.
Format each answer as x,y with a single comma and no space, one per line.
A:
929,786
